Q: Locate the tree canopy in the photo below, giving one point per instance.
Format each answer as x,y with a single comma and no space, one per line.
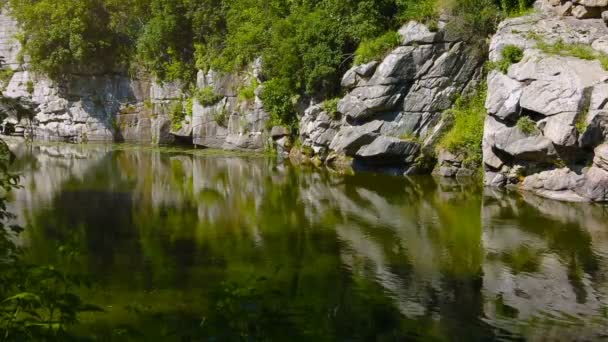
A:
305,45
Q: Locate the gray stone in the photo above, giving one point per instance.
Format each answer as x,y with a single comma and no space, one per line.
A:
494,179
521,146
278,132
415,32
388,149
583,12
560,128
595,187
593,3
503,96
350,139
565,9
601,157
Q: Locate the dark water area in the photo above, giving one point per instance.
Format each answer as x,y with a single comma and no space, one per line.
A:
206,247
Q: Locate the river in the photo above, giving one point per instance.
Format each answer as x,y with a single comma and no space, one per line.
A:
192,246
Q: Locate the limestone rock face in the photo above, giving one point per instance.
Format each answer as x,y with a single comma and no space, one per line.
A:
230,123
112,106
547,117
395,105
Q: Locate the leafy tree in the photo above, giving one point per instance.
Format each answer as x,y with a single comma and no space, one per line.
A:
63,35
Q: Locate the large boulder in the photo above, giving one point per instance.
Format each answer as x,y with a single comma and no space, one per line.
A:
523,146
350,139
388,150
503,97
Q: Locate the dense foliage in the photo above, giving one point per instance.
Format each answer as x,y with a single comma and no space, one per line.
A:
305,45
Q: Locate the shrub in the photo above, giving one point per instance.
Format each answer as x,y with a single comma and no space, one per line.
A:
510,55
280,101
527,125
5,75
331,108
425,11
177,114
206,96
247,93
466,134
221,117
376,48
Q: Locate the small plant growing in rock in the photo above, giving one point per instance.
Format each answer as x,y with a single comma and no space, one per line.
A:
331,108
581,119
573,50
466,135
221,117
247,93
190,106
206,96
510,55
29,86
527,125
176,112
409,136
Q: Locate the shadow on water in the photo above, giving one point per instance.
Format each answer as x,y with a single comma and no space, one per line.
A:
226,248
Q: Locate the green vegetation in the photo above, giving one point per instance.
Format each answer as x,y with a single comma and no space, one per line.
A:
581,119
376,48
177,114
206,96
331,108
5,75
574,50
510,55
305,46
221,117
527,125
247,93
466,135
30,87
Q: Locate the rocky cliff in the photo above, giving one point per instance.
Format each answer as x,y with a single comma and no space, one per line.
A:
547,117
393,108
116,106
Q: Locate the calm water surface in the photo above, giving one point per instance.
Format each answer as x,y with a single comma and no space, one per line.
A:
213,248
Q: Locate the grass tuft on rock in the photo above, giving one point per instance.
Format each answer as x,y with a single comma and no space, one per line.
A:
510,54
527,125
331,108
466,135
581,51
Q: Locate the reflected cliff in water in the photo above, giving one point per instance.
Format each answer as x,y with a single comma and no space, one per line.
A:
206,246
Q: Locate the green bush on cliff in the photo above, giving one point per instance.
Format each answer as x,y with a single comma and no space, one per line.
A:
376,48
510,55
466,134
206,96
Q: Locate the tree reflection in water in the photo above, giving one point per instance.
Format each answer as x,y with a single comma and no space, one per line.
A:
193,247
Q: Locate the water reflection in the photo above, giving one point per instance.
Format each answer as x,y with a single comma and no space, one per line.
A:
342,257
